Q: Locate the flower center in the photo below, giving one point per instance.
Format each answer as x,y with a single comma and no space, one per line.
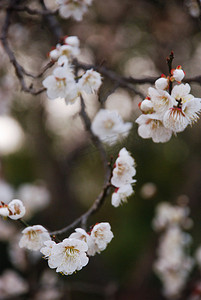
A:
71,251
179,104
108,124
121,169
60,82
31,234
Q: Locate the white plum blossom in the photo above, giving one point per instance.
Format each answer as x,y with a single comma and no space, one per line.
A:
59,83
173,264
168,112
90,81
82,235
47,248
161,100
12,285
177,74
177,118
34,237
124,169
109,126
72,41
168,215
102,235
97,239
146,106
162,83
16,209
73,8
151,126
68,256
69,48
181,93
121,194
4,212
54,54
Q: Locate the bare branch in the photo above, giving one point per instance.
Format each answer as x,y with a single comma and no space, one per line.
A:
52,23
122,81
19,70
34,11
108,173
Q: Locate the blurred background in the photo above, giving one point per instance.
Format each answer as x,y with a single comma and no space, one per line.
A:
48,161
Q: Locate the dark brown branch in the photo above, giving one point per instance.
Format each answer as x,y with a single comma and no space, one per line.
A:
45,68
19,70
169,63
34,11
126,82
52,23
108,173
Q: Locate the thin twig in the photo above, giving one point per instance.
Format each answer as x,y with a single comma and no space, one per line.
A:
122,81
19,70
33,11
108,173
52,23
169,63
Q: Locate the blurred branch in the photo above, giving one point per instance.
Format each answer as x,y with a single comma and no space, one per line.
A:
108,173
54,26
169,63
199,5
121,81
52,22
33,11
19,70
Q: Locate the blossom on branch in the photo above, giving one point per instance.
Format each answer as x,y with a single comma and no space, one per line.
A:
124,169
34,237
14,210
101,235
122,177
173,264
68,256
151,126
90,81
166,112
109,126
69,48
97,239
73,8
177,74
168,214
82,235
121,194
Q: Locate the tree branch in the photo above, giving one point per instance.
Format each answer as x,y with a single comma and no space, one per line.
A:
34,11
19,70
108,173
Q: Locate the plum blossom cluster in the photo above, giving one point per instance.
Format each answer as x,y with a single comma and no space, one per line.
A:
72,253
69,47
167,110
73,8
109,126
14,209
173,264
122,177
63,83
